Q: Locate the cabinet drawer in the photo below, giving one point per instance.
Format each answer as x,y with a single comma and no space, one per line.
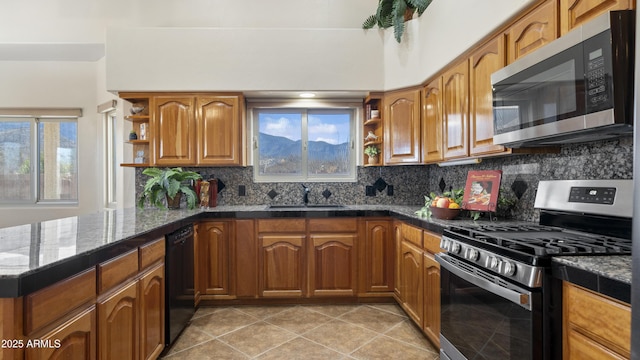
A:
333,225
431,242
412,234
605,320
152,252
116,271
51,303
281,225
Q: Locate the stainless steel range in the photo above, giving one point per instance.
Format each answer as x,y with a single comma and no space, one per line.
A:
498,298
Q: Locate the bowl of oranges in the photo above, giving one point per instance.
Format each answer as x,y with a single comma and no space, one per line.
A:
444,208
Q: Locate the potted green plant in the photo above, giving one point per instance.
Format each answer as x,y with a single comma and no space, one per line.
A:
395,13
373,152
168,184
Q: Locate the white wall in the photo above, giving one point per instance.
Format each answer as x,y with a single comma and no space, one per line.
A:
57,84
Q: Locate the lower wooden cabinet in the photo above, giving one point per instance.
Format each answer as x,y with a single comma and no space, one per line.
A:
431,323
594,326
119,324
377,258
74,339
411,280
152,312
214,255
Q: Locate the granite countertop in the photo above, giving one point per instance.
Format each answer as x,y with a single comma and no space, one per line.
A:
35,255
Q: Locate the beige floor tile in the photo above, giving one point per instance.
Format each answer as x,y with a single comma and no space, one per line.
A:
257,338
191,336
385,348
263,312
332,310
298,319
371,318
211,350
392,308
340,336
409,333
223,321
301,349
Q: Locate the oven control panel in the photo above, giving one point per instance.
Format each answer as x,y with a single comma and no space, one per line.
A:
525,274
592,195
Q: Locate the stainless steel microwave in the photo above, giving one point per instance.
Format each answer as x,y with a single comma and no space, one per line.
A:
577,88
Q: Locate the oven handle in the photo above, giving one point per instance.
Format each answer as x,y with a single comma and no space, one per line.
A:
513,293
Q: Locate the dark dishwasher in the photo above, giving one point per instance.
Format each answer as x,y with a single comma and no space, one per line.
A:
180,302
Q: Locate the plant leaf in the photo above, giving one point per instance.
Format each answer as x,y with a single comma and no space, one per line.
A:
370,22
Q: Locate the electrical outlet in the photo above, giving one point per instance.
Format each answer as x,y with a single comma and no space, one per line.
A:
370,191
242,190
389,190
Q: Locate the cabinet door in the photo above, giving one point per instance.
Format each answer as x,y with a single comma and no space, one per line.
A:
246,263
577,12
152,313
214,256
282,261
118,324
219,130
175,129
411,278
333,264
432,122
432,298
76,339
455,111
483,63
402,127
379,261
536,29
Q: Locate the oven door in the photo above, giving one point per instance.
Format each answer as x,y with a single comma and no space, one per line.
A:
486,317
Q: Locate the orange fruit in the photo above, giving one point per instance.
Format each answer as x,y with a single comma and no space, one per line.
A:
454,206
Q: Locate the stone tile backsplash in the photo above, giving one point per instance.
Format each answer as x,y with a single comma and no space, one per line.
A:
407,185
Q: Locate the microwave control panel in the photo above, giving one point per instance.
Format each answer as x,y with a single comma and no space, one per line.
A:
597,66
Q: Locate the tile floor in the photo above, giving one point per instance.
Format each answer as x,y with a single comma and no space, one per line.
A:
376,331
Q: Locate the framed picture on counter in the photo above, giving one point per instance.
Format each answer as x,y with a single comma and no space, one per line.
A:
481,190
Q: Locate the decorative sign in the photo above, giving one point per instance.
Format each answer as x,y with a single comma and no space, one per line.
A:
481,190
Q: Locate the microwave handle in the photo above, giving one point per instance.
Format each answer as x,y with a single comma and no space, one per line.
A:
517,296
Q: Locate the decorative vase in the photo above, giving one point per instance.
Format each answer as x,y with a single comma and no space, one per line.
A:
175,202
133,136
373,160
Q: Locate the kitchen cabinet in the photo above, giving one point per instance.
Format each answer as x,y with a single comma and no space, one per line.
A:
246,259
152,306
282,258
411,272
431,323
214,254
174,129
402,127
118,321
535,29
140,124
574,13
373,126
594,326
220,130
455,110
483,62
432,122
332,257
377,264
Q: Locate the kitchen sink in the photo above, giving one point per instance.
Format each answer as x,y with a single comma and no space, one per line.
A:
308,206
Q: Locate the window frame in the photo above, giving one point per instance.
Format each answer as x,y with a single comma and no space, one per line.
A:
304,106
35,158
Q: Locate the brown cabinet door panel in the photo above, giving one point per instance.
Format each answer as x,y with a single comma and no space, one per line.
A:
118,324
379,261
432,122
333,265
214,255
175,129
402,127
432,299
152,313
219,130
536,29
456,111
282,260
574,13
411,278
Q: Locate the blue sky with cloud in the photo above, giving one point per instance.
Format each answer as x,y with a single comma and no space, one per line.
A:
331,127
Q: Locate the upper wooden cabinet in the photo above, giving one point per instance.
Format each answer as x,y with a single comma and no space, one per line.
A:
483,62
219,130
174,132
402,127
432,121
577,12
455,110
537,28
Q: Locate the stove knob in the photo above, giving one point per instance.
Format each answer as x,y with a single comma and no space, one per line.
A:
455,248
494,263
471,254
444,244
509,268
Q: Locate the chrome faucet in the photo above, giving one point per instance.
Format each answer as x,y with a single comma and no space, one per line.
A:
305,197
